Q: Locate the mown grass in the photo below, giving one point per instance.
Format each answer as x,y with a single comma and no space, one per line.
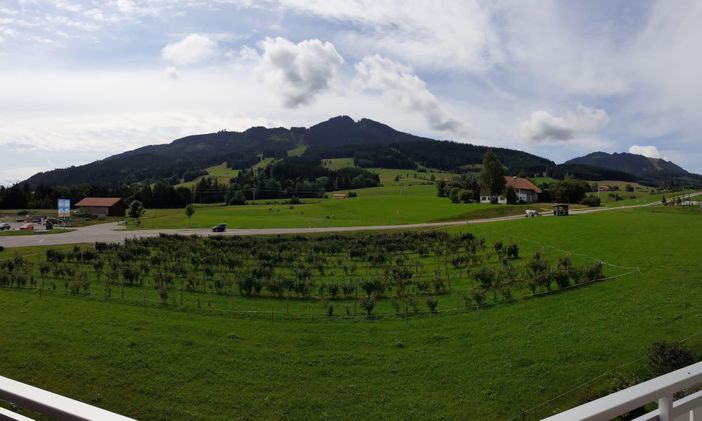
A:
369,208
410,199
221,172
338,163
158,363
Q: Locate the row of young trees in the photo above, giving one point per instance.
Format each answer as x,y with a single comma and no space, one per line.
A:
400,268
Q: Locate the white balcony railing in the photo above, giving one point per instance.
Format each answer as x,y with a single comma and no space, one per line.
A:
48,404
661,390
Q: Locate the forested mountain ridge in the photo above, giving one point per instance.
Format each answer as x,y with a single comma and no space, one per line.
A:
645,169
370,143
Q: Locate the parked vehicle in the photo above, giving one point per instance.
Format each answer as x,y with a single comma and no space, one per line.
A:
530,213
27,227
219,228
49,225
5,227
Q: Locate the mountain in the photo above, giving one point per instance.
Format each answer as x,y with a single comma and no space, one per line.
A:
370,143
651,170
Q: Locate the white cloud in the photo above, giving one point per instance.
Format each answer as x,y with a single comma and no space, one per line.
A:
192,49
171,72
648,151
404,87
455,34
544,126
125,6
298,72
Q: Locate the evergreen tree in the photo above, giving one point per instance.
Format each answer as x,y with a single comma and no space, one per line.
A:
492,175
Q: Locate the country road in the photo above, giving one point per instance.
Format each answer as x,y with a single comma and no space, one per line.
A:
113,233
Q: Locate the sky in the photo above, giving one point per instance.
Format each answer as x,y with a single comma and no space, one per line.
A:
82,80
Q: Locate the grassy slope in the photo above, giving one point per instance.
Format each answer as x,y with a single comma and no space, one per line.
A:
220,171
297,151
163,364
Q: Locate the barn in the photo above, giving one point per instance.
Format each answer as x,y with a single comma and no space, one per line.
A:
102,206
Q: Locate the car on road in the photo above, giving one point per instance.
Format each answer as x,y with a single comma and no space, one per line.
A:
26,227
5,227
219,228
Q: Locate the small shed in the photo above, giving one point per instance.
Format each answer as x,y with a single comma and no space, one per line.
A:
561,209
102,206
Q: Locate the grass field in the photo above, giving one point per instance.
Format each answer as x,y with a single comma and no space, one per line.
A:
410,199
297,151
338,163
159,363
221,172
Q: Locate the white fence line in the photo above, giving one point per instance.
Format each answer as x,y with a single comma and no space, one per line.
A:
49,404
661,390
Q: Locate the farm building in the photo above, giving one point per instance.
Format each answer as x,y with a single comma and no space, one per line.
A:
102,206
526,191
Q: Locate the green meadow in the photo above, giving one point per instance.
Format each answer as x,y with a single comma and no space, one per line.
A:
404,197
166,362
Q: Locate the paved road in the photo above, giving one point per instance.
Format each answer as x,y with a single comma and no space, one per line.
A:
114,233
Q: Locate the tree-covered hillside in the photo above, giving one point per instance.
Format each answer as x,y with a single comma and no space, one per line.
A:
372,144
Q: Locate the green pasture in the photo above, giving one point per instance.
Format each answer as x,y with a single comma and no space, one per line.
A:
221,172
338,163
371,207
297,151
159,362
404,197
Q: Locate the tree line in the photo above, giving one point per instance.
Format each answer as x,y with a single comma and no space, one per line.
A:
286,178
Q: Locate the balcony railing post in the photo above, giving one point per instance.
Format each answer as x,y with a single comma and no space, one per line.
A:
665,406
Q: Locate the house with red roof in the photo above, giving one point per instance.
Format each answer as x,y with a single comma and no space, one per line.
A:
102,206
526,192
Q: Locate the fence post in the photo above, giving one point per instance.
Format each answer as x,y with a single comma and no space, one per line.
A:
665,408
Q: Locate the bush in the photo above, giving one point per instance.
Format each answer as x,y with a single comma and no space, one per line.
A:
477,295
368,304
592,201
432,303
511,196
664,358
295,200
513,251
2,248
352,194
466,196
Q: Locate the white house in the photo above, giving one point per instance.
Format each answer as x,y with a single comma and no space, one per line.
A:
526,191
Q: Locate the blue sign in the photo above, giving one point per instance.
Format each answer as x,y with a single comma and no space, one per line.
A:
64,208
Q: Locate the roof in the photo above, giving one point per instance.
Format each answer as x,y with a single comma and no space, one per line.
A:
521,183
98,202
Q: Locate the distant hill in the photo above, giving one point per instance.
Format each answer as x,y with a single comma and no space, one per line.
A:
651,170
370,143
